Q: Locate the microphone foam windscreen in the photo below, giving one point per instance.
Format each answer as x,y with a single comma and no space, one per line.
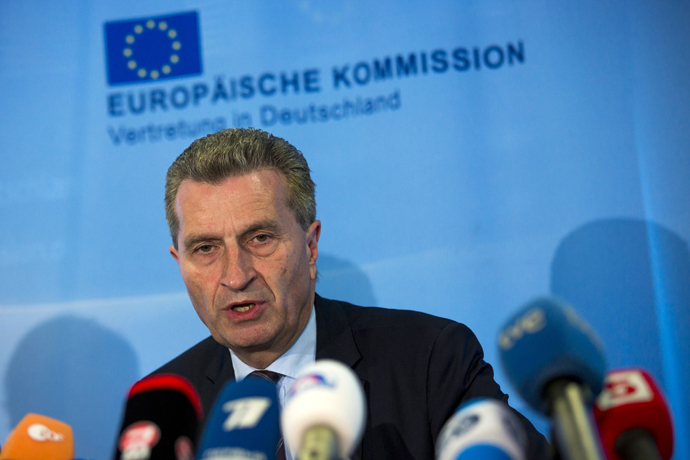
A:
544,341
482,428
631,399
37,437
160,421
326,393
243,423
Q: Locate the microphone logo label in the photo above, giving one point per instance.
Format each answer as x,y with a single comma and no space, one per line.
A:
245,412
138,439
464,425
624,387
42,433
531,322
458,426
308,381
184,449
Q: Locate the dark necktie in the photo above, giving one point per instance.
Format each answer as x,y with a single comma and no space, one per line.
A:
271,377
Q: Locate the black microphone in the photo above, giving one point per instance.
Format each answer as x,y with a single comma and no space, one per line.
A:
160,421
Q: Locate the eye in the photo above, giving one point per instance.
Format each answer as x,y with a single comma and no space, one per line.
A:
204,248
262,238
263,244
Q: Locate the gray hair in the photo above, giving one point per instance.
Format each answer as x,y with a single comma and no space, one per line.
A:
235,152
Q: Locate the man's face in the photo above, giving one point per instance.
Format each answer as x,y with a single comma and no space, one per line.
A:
248,266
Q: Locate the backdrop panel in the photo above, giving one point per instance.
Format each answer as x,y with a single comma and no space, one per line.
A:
468,157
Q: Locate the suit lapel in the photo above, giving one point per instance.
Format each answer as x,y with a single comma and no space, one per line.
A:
335,340
220,368
218,372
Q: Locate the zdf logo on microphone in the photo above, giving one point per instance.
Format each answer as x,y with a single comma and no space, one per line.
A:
41,433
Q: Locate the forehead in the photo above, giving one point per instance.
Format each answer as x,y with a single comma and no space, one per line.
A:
239,197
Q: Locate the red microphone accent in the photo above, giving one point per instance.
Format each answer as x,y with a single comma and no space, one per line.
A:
169,382
631,400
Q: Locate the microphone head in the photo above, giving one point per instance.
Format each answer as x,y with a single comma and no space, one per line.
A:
482,428
545,341
326,393
243,423
37,437
630,400
160,421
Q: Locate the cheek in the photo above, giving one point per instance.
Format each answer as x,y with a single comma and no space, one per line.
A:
201,312
296,276
282,274
292,268
198,302
199,284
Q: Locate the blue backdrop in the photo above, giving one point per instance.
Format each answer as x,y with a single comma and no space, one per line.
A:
468,157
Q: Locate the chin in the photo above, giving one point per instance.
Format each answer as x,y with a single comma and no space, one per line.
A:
247,343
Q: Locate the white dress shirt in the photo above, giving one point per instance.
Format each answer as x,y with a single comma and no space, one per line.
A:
300,354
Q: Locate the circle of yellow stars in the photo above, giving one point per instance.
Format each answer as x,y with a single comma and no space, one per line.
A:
138,30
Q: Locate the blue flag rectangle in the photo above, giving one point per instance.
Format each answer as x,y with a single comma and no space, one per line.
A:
153,48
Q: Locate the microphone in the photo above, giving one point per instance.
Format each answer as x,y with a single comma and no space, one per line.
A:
325,411
482,428
556,362
160,421
633,417
37,437
243,423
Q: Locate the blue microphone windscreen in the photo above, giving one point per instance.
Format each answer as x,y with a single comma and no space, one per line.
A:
483,452
545,341
244,422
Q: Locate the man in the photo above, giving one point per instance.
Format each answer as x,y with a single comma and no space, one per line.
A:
242,214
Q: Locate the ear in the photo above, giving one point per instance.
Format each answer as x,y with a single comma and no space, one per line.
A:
313,234
174,253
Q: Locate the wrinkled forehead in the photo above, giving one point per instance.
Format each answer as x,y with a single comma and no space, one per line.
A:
235,195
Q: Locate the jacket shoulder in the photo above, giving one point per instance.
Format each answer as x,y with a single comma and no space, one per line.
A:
379,317
189,363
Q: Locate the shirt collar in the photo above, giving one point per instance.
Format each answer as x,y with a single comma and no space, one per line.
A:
301,353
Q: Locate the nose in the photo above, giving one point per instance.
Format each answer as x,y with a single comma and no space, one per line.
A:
239,270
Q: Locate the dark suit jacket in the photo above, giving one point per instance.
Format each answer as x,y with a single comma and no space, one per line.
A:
416,369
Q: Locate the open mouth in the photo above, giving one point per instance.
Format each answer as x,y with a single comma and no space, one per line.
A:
243,307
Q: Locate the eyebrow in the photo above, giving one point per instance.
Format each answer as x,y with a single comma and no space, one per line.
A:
266,224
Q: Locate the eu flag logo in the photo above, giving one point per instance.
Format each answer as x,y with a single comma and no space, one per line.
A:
154,48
